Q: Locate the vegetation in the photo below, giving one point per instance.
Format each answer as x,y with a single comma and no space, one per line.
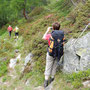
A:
77,78
39,17
16,9
3,67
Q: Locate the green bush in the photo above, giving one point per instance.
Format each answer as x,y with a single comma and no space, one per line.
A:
22,21
4,79
36,11
77,84
77,78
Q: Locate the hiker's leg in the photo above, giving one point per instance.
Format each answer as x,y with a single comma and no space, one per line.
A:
17,35
54,67
53,71
10,33
48,69
49,64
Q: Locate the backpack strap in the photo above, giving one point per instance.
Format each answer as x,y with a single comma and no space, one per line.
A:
51,44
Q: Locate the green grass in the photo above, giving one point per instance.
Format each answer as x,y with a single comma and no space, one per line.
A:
71,81
3,67
77,78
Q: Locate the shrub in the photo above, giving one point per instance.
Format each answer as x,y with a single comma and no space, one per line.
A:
21,21
77,84
77,78
3,67
36,11
4,79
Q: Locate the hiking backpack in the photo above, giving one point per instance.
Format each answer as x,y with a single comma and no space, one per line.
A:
56,44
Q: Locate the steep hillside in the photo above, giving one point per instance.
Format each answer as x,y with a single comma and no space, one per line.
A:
73,20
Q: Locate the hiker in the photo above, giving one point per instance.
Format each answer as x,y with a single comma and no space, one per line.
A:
10,30
54,52
16,30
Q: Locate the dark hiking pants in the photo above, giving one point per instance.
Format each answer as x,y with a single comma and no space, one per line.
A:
10,33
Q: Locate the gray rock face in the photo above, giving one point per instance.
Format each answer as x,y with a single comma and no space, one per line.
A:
86,83
28,64
14,61
28,59
77,55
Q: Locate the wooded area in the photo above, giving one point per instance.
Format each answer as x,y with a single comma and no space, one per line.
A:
11,10
15,9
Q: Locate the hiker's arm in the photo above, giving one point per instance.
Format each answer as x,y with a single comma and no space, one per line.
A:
48,29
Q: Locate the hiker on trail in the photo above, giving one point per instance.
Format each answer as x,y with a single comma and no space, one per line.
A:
54,52
10,30
16,30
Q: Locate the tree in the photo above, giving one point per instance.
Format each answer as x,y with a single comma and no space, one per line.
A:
24,10
11,10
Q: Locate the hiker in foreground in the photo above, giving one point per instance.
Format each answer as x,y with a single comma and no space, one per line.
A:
54,52
16,30
10,30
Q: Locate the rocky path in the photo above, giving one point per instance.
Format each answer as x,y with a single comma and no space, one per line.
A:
50,87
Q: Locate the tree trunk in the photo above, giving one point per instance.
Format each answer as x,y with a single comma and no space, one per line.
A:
24,10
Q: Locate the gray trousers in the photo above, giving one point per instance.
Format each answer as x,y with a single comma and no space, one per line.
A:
51,66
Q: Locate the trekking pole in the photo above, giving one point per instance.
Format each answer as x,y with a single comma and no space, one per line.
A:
82,32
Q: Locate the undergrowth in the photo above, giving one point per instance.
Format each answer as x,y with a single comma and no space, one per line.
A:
77,78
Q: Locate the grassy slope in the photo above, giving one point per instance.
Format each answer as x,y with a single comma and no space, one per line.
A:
32,33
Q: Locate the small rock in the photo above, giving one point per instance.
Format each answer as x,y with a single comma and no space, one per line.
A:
27,83
86,83
28,59
19,57
15,88
50,86
13,76
4,59
14,61
39,88
16,51
5,39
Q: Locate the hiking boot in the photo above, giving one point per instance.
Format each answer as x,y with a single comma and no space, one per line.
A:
45,83
51,80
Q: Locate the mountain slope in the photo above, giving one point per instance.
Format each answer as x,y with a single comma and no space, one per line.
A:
72,19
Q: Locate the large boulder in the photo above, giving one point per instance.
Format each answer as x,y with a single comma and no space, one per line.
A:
77,54
28,64
13,62
28,59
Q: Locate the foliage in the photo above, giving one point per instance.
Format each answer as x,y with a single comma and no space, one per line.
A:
62,7
14,10
77,84
3,67
77,78
76,20
36,11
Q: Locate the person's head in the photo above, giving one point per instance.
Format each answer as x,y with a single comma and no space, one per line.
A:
56,26
16,27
